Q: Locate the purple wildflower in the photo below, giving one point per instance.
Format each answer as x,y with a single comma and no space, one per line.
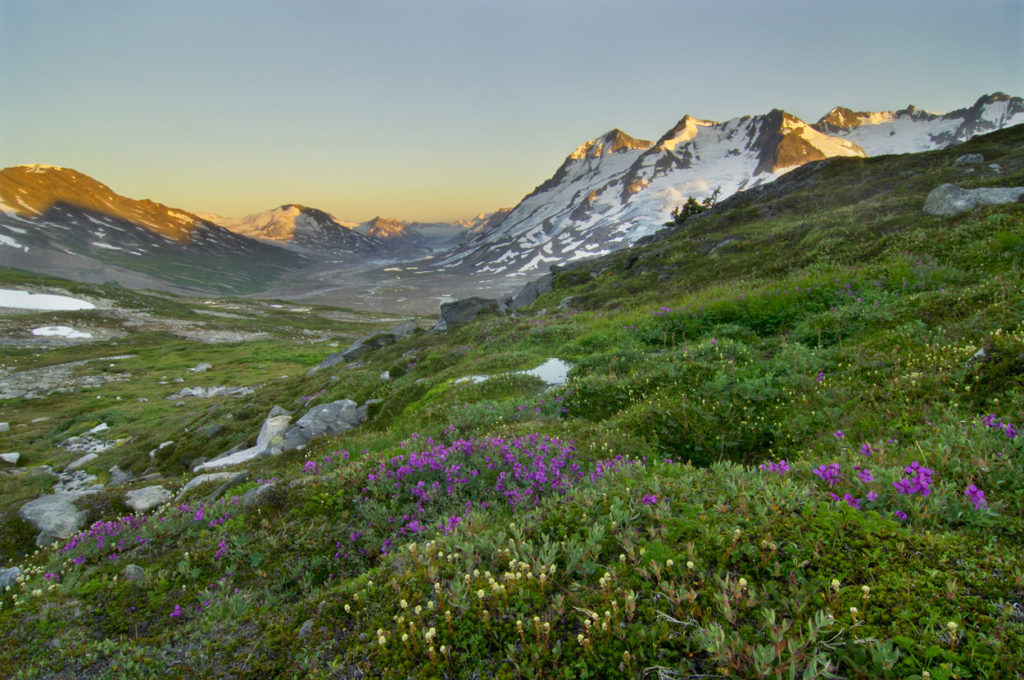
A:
828,473
976,496
866,450
177,611
649,499
838,434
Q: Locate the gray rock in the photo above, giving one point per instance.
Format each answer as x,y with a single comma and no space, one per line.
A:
258,495
205,478
271,435
119,476
364,410
947,200
463,311
147,498
81,462
533,290
278,411
968,159
5,427
9,577
306,630
54,516
325,419
11,458
199,368
385,376
133,572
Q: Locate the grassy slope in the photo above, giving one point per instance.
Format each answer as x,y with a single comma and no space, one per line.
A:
801,321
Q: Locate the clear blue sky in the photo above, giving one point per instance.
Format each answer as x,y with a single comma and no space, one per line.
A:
432,109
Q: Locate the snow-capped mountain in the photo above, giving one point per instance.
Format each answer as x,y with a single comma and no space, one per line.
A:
60,221
428,237
305,230
616,189
911,129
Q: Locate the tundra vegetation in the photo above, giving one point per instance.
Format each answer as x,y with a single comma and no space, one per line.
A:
788,448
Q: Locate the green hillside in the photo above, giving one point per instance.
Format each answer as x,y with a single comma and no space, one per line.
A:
787,448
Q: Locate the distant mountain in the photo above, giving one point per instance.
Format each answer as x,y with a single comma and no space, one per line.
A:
60,221
306,230
616,189
422,237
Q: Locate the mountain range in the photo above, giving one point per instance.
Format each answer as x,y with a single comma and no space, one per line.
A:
615,189
608,193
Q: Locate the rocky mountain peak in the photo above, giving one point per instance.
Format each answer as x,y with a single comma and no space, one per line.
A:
613,141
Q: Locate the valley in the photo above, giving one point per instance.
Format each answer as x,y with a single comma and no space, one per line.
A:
778,437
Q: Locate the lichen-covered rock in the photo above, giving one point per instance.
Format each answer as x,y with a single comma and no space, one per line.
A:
147,498
947,200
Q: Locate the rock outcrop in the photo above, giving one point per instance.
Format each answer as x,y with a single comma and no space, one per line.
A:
947,200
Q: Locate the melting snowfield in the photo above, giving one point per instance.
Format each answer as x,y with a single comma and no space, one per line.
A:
20,299
60,331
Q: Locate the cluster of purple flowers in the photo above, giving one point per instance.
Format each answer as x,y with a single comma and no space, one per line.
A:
992,422
780,468
829,473
419,486
649,499
919,480
976,496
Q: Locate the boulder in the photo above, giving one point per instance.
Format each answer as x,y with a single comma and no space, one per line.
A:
9,577
533,290
81,462
54,516
11,458
463,311
325,419
257,495
205,478
270,437
947,200
968,159
119,476
147,498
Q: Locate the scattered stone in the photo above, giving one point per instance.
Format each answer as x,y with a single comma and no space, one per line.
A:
968,159
76,484
212,431
133,572
5,427
211,392
306,630
385,376
180,403
463,311
368,343
142,400
278,411
81,462
200,368
258,495
54,516
204,479
947,200
119,476
9,577
995,167
11,458
325,419
178,380
147,498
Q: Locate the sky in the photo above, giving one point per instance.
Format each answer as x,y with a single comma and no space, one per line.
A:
442,109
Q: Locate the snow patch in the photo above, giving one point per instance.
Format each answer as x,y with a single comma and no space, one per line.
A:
20,299
60,331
